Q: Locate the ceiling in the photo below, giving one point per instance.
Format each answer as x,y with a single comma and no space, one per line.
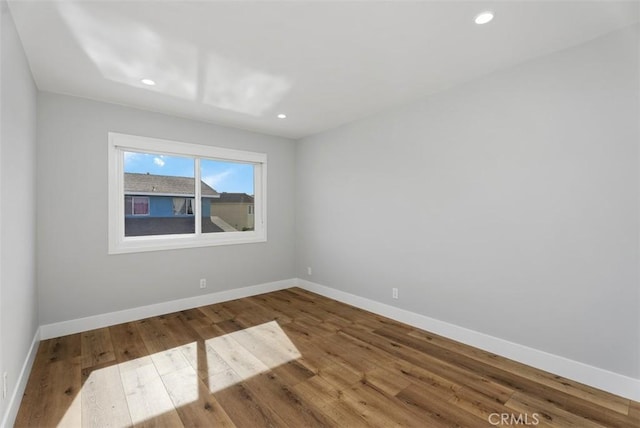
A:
323,63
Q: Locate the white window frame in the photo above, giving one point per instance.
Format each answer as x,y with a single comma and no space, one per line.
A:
118,243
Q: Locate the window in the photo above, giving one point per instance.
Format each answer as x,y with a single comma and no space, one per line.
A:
140,205
169,195
183,206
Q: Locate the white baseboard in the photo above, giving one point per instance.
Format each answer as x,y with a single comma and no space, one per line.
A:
64,328
21,384
614,383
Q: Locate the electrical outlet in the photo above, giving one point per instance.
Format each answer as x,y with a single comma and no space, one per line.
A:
309,271
4,385
394,293
203,283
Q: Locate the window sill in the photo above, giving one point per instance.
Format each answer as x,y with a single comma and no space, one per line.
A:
175,242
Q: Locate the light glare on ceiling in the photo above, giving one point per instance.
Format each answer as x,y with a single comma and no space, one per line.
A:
282,116
484,17
148,82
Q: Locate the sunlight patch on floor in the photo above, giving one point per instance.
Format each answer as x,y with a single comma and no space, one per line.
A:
247,353
145,388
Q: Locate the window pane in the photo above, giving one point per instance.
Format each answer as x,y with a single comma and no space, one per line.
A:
227,194
159,190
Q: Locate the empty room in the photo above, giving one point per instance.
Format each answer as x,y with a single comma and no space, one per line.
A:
319,213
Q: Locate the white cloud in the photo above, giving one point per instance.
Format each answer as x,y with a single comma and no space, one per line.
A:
158,161
131,156
215,179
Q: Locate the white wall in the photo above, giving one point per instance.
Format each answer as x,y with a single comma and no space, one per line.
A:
76,276
18,301
508,205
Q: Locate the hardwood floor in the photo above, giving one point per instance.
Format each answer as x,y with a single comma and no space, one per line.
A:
295,359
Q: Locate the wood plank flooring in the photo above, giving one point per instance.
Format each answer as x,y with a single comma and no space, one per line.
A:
294,359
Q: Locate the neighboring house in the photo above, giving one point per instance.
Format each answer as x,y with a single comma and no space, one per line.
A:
161,204
236,209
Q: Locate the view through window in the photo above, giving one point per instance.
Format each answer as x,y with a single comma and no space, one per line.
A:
159,193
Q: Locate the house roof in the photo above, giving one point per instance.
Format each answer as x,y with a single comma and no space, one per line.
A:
234,198
150,184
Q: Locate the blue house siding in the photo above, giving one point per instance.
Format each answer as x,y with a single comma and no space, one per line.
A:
162,206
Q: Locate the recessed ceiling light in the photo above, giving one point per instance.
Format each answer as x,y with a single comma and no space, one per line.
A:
148,82
484,17
282,116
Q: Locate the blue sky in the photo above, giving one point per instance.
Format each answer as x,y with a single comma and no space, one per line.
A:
222,176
